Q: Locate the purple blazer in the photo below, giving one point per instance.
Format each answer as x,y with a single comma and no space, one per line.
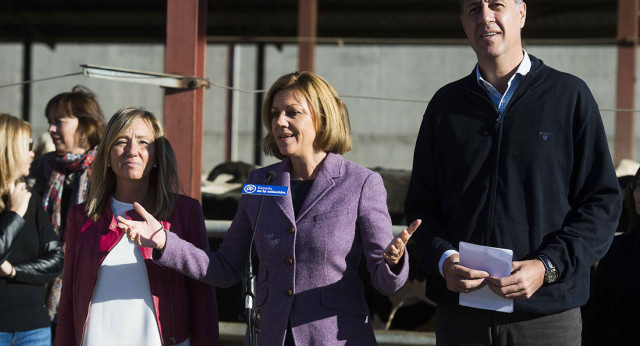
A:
308,274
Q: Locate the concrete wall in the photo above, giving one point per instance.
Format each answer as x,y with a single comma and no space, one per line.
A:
384,131
11,72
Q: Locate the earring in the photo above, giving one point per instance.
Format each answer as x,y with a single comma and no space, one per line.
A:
154,165
108,165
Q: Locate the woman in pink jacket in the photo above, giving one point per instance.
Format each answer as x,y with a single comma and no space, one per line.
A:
113,293
310,241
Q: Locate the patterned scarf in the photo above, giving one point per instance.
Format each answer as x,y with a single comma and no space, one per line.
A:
79,163
52,201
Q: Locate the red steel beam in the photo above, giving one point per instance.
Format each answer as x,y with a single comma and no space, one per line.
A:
626,84
307,32
185,55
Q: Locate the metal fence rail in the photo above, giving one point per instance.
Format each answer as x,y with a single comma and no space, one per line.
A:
232,334
218,228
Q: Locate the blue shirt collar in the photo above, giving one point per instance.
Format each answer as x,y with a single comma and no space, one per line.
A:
523,69
500,101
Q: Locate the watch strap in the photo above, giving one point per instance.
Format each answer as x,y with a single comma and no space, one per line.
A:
551,273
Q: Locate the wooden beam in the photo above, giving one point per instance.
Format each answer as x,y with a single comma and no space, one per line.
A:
185,54
307,32
626,80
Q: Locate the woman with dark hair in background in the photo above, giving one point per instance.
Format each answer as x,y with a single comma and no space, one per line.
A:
76,125
113,293
30,254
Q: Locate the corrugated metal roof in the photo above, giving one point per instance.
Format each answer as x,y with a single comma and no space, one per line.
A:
53,21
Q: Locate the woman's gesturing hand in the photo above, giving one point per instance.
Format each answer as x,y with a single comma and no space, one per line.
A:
395,250
147,233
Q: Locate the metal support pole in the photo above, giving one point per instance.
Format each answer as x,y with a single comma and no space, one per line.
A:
257,156
26,75
228,132
626,84
185,54
307,32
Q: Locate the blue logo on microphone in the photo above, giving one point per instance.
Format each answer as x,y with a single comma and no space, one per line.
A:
249,188
265,190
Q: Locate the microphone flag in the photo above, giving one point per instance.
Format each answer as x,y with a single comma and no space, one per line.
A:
264,190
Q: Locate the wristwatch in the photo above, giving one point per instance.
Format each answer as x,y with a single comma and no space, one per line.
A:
550,271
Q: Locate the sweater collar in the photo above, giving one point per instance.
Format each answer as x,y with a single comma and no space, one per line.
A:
523,69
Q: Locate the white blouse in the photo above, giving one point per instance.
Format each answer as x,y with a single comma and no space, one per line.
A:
121,310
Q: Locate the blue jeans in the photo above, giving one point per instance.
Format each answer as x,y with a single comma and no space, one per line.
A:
34,337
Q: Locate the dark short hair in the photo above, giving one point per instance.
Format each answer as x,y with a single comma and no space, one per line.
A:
80,103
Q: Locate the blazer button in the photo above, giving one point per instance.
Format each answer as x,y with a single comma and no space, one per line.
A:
289,292
289,261
292,230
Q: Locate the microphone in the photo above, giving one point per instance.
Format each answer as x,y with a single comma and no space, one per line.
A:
252,314
270,176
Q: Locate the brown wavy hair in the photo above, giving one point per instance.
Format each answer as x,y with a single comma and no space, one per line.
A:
81,103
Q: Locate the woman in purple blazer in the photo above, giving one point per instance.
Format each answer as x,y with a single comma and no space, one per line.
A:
310,241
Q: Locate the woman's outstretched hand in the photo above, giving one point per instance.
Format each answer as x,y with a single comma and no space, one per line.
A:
147,233
395,250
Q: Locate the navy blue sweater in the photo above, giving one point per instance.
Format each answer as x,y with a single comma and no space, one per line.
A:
539,180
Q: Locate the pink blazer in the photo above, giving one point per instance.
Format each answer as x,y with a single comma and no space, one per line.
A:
184,308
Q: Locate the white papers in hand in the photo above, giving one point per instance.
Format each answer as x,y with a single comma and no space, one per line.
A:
496,262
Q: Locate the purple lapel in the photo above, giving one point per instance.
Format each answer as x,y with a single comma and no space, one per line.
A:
283,179
331,167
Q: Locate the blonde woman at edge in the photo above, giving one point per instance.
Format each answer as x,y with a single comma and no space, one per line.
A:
30,254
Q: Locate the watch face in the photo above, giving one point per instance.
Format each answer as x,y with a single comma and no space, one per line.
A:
551,276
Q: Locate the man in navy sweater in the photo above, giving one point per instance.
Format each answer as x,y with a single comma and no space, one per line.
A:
512,156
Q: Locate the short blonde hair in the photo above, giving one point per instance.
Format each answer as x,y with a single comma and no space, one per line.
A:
163,179
327,110
13,132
